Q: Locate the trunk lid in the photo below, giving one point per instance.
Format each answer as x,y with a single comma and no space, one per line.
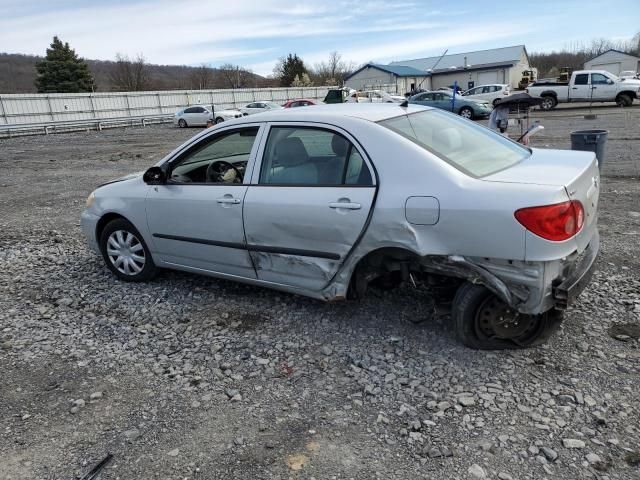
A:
577,172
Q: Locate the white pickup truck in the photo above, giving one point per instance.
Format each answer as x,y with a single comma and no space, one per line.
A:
586,86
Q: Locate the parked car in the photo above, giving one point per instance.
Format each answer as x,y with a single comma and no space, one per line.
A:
301,102
199,115
489,93
471,109
401,193
586,86
258,107
378,96
629,75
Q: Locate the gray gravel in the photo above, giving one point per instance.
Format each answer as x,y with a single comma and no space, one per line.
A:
196,378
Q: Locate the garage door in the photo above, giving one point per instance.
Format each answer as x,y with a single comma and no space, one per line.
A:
609,67
485,78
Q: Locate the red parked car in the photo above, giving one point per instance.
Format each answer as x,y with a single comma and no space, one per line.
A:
301,102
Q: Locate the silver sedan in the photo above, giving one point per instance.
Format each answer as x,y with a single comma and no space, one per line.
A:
328,201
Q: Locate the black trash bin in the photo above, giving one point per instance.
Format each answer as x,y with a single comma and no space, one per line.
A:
590,141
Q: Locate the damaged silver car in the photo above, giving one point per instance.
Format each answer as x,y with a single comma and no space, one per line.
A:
325,201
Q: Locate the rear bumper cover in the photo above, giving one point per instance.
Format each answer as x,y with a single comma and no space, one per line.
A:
578,277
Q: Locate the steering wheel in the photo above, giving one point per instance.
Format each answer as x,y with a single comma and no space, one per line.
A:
220,172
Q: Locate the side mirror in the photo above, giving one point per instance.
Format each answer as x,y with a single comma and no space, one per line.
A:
610,82
154,176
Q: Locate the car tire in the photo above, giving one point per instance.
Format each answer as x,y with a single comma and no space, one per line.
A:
548,102
477,310
182,123
466,112
495,102
125,252
624,101
219,120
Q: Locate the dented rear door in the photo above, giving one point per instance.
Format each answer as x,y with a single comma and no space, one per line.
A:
299,233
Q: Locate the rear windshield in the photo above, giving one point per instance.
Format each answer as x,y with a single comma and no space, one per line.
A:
471,148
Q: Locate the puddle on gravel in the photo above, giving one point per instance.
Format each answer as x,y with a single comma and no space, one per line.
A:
625,331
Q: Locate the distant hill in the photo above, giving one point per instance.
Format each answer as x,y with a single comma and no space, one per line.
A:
18,73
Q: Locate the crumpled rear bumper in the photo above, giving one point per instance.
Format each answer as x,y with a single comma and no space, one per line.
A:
578,276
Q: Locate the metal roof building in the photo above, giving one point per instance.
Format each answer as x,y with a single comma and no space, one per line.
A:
393,78
614,61
469,69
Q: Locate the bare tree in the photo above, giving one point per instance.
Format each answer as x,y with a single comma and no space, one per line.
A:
332,72
130,75
201,77
235,76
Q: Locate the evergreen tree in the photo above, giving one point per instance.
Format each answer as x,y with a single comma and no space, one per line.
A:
288,68
63,71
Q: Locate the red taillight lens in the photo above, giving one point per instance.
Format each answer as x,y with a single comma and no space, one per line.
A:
553,222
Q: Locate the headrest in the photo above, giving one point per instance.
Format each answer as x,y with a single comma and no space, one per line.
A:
448,140
339,145
291,152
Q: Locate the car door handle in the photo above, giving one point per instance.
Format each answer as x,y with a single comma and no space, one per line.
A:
574,88
228,200
345,205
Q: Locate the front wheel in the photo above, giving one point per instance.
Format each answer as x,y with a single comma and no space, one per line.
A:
548,103
484,322
466,112
219,120
182,123
125,252
624,101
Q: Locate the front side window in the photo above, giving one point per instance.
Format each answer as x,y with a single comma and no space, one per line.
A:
311,156
219,159
191,110
470,148
598,79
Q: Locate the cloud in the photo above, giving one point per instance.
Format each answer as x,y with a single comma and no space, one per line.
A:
189,31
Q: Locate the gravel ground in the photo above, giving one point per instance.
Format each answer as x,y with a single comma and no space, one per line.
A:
188,377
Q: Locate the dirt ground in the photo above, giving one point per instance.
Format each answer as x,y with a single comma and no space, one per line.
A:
188,377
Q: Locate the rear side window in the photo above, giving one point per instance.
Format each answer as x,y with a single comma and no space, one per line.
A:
582,79
311,156
470,148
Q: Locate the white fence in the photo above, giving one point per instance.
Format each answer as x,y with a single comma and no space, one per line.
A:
17,109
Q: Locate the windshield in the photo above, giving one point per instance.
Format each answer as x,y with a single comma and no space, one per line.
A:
470,148
272,104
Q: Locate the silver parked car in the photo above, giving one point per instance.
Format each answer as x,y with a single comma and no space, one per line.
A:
325,201
258,107
198,116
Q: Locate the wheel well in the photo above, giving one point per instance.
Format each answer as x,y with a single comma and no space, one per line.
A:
391,266
628,94
104,220
549,94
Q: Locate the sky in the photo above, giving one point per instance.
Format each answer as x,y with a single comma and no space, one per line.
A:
255,33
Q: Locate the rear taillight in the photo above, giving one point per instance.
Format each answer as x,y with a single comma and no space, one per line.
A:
553,222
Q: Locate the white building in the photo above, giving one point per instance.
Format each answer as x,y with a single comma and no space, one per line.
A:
471,69
392,78
614,61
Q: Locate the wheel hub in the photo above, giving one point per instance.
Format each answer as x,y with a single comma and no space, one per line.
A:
495,318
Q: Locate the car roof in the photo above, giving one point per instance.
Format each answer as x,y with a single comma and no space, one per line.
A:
373,112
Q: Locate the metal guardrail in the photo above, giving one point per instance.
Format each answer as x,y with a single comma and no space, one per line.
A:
46,128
